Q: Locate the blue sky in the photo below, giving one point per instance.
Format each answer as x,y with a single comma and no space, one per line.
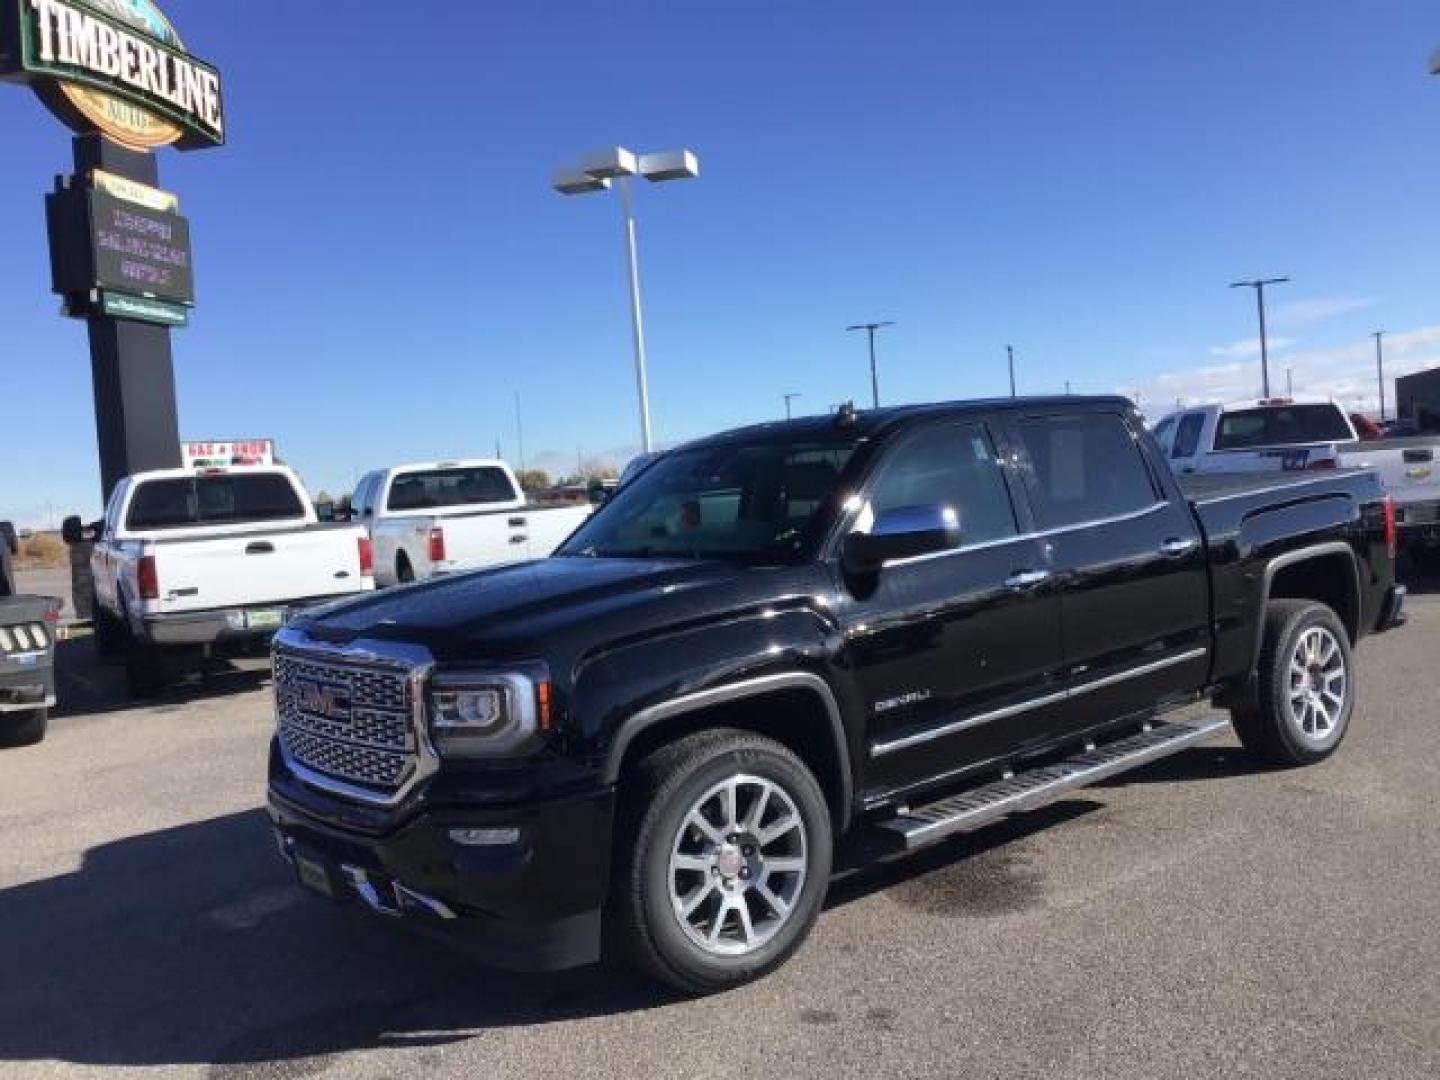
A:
381,263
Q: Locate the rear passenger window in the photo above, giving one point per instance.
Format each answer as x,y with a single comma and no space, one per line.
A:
954,466
1084,468
1187,435
1165,434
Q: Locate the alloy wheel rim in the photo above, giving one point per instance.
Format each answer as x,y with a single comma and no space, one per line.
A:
737,865
1318,684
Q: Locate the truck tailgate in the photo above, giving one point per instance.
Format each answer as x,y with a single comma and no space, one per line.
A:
197,574
1408,468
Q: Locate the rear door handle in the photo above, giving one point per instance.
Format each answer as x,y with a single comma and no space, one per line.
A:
260,547
1026,579
1175,547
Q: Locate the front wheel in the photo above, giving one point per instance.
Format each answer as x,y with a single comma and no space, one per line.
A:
1306,686
723,863
23,729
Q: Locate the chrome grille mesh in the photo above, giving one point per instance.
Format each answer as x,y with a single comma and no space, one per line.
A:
346,721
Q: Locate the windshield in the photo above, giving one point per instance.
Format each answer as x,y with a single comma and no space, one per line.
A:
1285,425
755,503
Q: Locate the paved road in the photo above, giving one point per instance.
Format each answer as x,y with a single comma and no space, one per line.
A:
1199,919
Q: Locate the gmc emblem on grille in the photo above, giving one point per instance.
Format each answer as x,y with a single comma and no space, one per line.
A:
324,699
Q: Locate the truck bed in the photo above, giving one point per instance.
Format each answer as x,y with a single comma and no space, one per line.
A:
1206,489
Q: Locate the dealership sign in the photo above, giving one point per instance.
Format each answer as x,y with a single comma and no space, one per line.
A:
113,66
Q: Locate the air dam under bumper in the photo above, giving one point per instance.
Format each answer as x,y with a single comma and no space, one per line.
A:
529,905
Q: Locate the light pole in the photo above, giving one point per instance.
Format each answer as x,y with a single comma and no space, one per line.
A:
870,328
788,398
1259,287
1290,382
1010,357
1380,369
595,173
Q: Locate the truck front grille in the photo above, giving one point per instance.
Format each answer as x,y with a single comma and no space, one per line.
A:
349,722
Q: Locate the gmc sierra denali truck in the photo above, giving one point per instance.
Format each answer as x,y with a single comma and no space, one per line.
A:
806,645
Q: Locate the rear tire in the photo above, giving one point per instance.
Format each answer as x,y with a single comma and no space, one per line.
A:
735,827
109,634
24,729
1305,686
146,674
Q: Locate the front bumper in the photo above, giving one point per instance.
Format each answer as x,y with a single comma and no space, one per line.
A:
530,904
222,626
27,685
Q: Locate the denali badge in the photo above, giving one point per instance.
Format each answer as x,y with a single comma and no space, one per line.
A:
915,697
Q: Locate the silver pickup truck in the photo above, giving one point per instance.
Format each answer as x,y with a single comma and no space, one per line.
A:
27,655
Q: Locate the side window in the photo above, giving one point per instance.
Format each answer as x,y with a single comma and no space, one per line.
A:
1187,435
948,465
1165,435
1084,467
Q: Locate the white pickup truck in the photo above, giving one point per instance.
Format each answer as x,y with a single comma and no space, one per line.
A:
1286,434
444,516
188,560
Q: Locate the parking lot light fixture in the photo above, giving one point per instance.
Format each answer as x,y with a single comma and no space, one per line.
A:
1435,62
1259,287
870,328
617,167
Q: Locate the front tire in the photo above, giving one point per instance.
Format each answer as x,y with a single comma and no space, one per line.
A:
1305,686
24,729
724,856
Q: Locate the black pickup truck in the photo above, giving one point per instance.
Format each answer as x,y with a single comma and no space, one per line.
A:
798,647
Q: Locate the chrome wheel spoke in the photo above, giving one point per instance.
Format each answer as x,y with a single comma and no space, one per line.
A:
774,831
747,928
696,898
697,820
775,903
784,866
696,863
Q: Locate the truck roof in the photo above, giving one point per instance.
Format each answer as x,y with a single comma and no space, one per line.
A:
206,470
867,422
453,463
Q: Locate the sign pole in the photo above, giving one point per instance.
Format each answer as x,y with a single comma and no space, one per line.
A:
131,364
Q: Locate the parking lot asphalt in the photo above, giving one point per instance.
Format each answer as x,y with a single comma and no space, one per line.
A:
1200,918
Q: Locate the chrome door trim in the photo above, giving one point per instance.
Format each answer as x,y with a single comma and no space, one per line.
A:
907,741
1038,534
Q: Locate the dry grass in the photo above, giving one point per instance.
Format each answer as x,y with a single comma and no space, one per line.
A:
43,549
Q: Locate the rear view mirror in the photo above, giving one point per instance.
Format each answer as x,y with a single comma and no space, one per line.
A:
902,533
72,530
9,539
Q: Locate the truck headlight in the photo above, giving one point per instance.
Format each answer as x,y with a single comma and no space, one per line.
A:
488,713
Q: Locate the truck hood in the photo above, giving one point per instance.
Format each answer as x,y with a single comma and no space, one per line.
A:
525,602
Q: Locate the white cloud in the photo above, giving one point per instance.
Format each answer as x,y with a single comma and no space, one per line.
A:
1250,346
1317,309
1344,372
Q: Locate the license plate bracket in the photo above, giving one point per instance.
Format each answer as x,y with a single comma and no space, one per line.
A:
316,875
265,619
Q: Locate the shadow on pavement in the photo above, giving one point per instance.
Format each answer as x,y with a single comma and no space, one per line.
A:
1200,763
192,945
88,685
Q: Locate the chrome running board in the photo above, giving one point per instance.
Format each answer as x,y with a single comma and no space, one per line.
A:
976,807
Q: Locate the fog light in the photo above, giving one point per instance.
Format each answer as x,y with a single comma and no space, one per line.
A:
485,837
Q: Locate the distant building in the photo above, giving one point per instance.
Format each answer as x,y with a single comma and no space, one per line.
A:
1417,392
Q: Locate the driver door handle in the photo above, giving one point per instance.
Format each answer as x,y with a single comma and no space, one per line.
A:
1026,579
1175,547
